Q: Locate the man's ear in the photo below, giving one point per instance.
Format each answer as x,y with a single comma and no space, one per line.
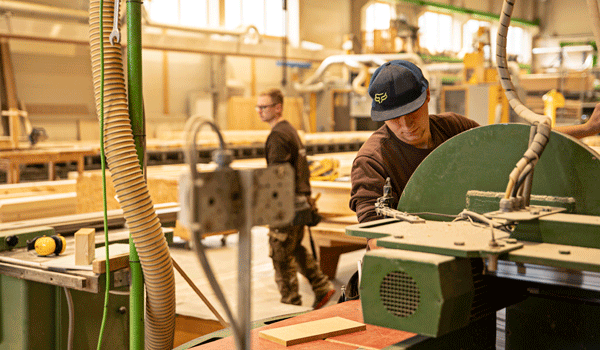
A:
428,96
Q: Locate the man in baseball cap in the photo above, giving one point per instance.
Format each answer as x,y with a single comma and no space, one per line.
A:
397,88
400,96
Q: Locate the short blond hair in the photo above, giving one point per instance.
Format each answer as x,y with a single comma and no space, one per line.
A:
275,94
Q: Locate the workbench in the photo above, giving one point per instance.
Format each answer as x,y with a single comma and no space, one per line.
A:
34,309
11,160
37,295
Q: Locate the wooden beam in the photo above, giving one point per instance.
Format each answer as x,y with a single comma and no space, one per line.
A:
85,246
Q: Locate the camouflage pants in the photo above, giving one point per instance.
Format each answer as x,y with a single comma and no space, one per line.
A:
290,256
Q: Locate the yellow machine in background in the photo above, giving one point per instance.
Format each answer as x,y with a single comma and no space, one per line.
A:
480,96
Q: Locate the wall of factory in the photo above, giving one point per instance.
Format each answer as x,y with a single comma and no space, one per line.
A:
54,79
325,22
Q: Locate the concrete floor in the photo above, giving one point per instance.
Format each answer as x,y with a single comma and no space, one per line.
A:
265,296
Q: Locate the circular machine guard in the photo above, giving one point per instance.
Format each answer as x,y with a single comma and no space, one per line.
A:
482,159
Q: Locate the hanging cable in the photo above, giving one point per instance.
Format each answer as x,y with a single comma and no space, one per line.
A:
192,127
103,166
71,318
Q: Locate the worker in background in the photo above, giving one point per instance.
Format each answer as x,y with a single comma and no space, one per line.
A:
288,254
400,96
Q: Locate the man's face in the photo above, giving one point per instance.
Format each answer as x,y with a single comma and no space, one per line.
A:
412,129
265,108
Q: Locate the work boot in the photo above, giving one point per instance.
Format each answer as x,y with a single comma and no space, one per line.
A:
322,298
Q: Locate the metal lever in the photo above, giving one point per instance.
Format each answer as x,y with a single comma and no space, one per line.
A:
115,36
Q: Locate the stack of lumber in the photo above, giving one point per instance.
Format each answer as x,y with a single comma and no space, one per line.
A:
25,201
569,82
163,186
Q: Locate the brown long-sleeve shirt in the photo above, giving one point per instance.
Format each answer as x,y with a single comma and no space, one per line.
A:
385,155
284,146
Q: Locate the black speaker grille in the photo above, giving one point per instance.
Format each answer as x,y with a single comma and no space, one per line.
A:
399,294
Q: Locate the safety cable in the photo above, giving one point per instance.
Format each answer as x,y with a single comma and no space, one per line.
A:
103,167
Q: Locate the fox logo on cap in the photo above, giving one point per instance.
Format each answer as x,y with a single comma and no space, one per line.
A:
379,98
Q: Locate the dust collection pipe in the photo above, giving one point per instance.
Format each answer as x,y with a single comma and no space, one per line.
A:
129,183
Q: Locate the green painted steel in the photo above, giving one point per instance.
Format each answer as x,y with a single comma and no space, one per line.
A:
416,292
136,115
35,316
476,14
27,314
482,158
88,308
585,233
485,202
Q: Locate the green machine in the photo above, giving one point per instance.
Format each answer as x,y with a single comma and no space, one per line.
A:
445,275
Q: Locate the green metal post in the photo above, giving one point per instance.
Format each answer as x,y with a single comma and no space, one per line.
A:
136,114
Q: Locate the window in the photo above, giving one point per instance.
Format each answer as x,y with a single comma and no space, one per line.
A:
266,15
519,43
471,37
438,33
190,13
377,17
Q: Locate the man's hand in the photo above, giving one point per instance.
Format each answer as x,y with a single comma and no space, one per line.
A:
594,122
372,244
591,127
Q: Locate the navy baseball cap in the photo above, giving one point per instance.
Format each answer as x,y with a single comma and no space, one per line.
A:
397,88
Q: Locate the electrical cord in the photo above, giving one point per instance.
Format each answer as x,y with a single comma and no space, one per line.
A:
474,217
103,166
192,127
71,318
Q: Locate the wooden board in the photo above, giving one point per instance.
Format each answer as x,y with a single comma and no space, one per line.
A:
116,263
85,245
313,330
41,187
34,207
570,82
335,197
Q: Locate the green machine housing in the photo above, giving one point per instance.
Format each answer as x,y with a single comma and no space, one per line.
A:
439,279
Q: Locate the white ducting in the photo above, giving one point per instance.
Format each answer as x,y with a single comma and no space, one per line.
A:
357,62
249,31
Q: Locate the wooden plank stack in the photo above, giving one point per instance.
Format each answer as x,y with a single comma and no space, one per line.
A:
26,201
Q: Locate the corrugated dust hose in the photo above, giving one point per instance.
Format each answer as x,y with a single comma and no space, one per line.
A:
129,183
